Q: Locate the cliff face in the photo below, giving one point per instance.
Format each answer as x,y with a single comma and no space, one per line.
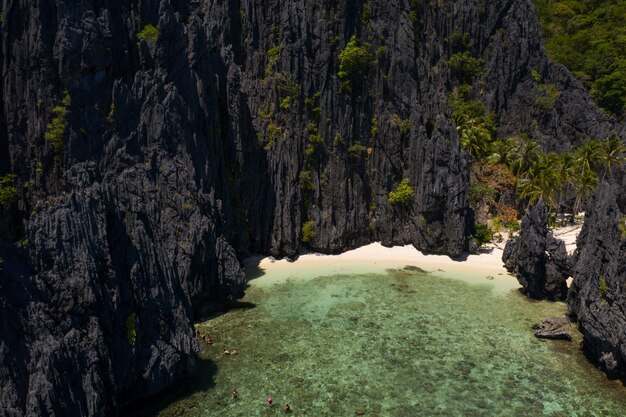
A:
597,296
226,132
538,260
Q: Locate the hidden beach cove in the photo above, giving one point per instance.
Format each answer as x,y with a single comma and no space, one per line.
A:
383,331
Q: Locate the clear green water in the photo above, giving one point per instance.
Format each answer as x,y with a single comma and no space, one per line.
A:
395,343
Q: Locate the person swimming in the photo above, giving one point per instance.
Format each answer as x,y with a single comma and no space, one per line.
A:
287,408
226,351
234,394
269,401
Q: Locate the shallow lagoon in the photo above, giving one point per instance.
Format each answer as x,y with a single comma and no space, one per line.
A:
389,342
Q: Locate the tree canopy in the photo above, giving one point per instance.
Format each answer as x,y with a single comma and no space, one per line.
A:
589,37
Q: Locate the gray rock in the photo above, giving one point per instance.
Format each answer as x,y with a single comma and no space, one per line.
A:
554,328
178,160
597,298
538,260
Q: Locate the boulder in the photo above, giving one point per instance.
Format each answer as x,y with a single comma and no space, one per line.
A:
554,328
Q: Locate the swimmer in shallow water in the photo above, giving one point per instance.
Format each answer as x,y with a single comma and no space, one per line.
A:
234,394
287,408
269,401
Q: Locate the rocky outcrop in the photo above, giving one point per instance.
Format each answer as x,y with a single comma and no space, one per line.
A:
554,328
597,298
538,260
226,132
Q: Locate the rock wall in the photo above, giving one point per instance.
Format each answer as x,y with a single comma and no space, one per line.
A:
537,259
225,135
597,297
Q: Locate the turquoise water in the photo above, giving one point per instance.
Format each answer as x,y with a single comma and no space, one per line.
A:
393,343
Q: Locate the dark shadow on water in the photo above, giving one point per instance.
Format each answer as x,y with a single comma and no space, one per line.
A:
216,310
201,380
465,255
252,268
461,258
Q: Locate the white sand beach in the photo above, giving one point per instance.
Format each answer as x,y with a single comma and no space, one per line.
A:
483,268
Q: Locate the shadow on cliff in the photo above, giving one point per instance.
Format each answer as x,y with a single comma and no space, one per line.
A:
211,311
200,381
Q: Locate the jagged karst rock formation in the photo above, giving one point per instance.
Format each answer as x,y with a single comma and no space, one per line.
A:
538,260
224,135
597,297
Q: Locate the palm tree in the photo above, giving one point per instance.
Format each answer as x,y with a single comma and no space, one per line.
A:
529,153
569,171
584,186
612,155
505,152
475,137
588,155
537,184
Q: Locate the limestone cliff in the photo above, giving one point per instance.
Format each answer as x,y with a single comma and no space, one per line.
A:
597,296
157,143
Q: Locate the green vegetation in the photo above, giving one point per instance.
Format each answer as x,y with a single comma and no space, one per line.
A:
308,231
403,194
354,61
589,37
55,131
482,234
285,103
306,181
8,190
148,33
602,287
272,57
272,132
548,94
474,124
374,128
464,66
357,150
131,328
287,89
111,115
555,179
622,225
480,192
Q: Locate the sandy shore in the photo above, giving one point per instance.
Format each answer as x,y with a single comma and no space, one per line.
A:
377,258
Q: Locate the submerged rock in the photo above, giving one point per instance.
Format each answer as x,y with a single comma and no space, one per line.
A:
538,260
554,328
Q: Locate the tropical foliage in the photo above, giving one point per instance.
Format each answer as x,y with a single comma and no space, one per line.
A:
8,191
482,234
55,131
354,60
562,181
589,37
148,33
308,231
403,194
